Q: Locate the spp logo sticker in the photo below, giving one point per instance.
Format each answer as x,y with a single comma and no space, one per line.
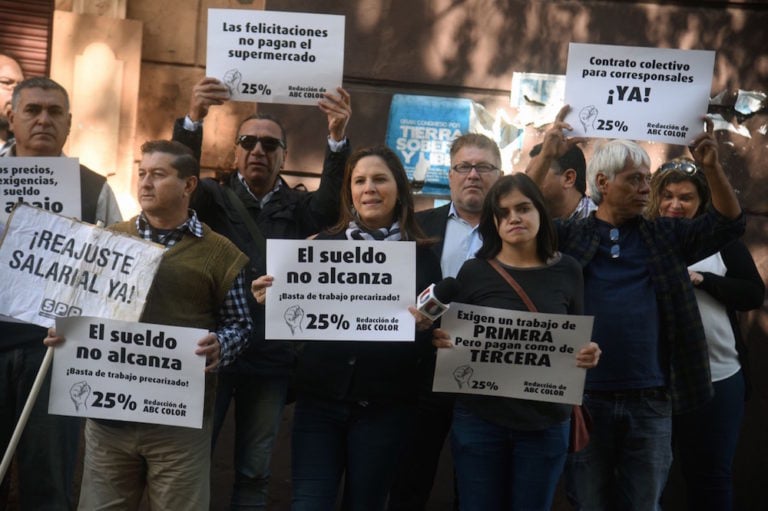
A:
52,309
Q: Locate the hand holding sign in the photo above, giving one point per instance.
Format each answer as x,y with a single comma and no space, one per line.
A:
554,146
704,147
205,94
275,57
555,143
259,288
637,93
211,348
338,108
588,356
441,339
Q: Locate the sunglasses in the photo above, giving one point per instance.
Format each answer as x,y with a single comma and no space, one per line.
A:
686,167
615,248
268,144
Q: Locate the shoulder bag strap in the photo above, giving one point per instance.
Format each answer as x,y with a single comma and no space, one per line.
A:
512,282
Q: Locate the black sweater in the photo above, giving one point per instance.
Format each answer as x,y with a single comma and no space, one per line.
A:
368,371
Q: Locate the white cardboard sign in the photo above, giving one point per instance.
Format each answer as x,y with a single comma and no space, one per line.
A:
637,93
275,57
52,184
341,290
128,371
53,267
524,355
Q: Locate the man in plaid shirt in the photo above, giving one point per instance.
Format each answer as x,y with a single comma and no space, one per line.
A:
200,283
636,285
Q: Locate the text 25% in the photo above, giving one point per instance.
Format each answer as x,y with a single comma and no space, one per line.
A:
610,125
111,399
325,321
255,88
485,385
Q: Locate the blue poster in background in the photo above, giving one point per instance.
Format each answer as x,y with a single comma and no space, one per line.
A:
420,130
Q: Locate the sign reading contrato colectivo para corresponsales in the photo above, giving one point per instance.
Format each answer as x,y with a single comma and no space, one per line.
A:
634,93
525,355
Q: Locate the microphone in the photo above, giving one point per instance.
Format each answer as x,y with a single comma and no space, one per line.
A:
433,301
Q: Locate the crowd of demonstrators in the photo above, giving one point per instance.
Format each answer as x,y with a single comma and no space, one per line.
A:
656,262
509,453
655,360
200,283
355,400
40,118
251,205
705,439
475,166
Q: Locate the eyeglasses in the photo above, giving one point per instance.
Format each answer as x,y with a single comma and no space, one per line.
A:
268,144
613,234
481,168
685,167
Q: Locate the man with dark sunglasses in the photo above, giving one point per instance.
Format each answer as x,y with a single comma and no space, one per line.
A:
252,203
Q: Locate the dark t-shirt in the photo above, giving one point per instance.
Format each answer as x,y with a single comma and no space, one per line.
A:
619,293
557,288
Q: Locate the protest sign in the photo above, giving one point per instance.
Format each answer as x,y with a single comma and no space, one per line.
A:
52,184
340,290
125,371
53,267
525,355
275,57
636,93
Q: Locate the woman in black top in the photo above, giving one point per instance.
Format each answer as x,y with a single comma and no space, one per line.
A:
509,453
354,402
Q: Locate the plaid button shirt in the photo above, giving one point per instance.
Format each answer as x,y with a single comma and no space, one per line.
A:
673,244
234,321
